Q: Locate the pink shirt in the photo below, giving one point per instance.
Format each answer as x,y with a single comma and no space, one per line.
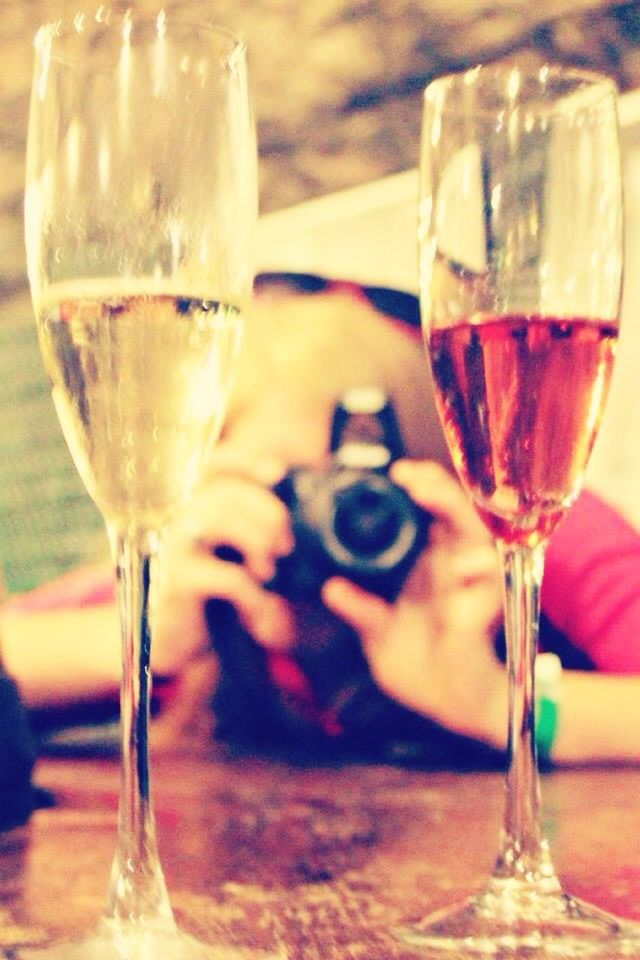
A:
591,588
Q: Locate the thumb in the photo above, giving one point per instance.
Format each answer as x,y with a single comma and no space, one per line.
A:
368,614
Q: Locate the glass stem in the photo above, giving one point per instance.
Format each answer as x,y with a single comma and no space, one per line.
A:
137,892
524,854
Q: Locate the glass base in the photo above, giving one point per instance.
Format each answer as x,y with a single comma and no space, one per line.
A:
510,920
137,943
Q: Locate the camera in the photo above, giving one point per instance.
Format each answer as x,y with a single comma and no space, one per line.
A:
349,518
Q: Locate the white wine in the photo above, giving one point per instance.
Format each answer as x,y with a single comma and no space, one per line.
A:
140,382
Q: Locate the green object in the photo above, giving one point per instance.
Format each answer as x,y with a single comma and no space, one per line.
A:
546,726
548,679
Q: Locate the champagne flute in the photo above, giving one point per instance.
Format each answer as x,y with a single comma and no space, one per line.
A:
140,206
520,247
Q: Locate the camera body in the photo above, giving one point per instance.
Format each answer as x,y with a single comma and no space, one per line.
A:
350,519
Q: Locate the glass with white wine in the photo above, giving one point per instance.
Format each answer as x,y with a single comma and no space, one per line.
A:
140,204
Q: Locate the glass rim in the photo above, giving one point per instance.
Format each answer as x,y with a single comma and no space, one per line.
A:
601,85
58,36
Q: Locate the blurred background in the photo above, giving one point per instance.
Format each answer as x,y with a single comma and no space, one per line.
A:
336,86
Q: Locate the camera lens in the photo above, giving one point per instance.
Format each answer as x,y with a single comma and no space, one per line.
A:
367,520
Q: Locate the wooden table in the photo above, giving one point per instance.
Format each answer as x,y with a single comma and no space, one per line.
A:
321,860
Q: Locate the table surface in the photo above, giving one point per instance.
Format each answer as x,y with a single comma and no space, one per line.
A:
323,861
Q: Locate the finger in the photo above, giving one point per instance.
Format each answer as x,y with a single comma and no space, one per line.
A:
200,576
433,488
241,515
366,613
231,460
475,563
267,618
263,614
229,496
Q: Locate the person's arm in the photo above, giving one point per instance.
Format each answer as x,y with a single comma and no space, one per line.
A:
61,656
597,719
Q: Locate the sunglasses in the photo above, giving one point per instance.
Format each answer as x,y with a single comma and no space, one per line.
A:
397,304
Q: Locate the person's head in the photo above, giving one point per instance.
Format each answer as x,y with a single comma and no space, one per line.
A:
302,351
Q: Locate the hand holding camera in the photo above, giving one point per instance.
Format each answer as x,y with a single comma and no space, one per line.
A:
350,519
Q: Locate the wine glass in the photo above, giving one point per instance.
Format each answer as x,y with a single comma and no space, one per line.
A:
520,249
140,205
